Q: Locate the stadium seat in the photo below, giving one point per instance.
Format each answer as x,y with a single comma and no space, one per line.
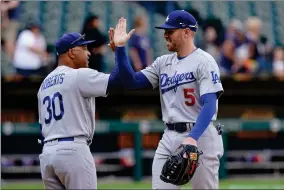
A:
100,9
30,12
279,6
241,10
201,7
221,10
74,16
264,12
50,18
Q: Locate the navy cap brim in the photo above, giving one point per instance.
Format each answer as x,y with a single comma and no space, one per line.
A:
166,26
82,43
85,42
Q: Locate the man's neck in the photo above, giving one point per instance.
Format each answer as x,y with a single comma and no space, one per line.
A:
66,63
186,50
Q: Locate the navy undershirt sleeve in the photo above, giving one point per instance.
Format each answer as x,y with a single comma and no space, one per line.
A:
208,102
114,79
41,135
129,78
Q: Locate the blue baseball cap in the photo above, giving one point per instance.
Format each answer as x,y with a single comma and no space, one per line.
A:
179,19
70,40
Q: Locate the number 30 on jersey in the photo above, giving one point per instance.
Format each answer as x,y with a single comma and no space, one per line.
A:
52,112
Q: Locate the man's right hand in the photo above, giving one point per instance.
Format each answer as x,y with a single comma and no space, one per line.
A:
120,36
111,44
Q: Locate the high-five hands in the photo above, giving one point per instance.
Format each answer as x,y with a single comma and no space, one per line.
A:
120,35
111,44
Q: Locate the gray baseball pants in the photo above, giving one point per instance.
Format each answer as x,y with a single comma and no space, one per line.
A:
207,174
68,165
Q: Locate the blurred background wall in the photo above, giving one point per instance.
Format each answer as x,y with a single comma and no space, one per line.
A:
245,37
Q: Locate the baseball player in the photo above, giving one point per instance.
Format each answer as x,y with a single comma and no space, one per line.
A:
66,105
189,85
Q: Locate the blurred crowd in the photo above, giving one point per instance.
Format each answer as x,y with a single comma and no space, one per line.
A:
239,47
23,50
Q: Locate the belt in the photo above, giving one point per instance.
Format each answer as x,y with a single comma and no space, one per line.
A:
61,139
180,127
65,139
183,127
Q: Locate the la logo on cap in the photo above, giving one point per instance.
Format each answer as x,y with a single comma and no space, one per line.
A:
167,18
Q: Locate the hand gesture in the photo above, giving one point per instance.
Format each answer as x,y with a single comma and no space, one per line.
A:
120,36
190,140
110,37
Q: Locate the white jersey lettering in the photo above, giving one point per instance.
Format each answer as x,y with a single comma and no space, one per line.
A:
66,102
183,82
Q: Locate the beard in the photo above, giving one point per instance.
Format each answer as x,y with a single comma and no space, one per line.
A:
171,46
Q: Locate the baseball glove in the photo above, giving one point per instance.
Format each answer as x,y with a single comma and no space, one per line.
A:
180,166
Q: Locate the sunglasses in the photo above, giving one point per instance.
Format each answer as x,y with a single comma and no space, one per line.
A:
78,39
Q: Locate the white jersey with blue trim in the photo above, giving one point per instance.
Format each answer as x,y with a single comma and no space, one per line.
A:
66,102
183,82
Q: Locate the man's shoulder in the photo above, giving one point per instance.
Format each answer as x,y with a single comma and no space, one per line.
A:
62,70
60,75
166,58
169,55
205,56
86,70
84,74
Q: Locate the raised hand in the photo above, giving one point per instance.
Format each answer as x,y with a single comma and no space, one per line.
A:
120,35
110,37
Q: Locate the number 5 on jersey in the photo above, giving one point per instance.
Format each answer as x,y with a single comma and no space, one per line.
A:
51,109
188,95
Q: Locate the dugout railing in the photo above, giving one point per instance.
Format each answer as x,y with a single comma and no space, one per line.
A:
144,127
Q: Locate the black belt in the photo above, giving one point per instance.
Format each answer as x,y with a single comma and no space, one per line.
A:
183,127
180,127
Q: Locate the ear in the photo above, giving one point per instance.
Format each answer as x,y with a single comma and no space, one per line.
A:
70,54
187,31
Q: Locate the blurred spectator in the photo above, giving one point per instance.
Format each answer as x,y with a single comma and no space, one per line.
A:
258,43
253,27
278,61
213,37
210,45
237,51
30,53
6,66
140,49
234,26
199,35
10,12
97,49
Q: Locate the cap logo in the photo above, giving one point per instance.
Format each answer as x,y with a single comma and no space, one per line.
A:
167,19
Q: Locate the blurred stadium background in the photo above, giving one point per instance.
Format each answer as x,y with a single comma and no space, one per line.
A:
128,122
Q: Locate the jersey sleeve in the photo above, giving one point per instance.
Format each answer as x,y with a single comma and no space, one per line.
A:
209,78
152,73
92,83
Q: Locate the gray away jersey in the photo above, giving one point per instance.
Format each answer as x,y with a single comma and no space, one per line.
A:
183,82
66,102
